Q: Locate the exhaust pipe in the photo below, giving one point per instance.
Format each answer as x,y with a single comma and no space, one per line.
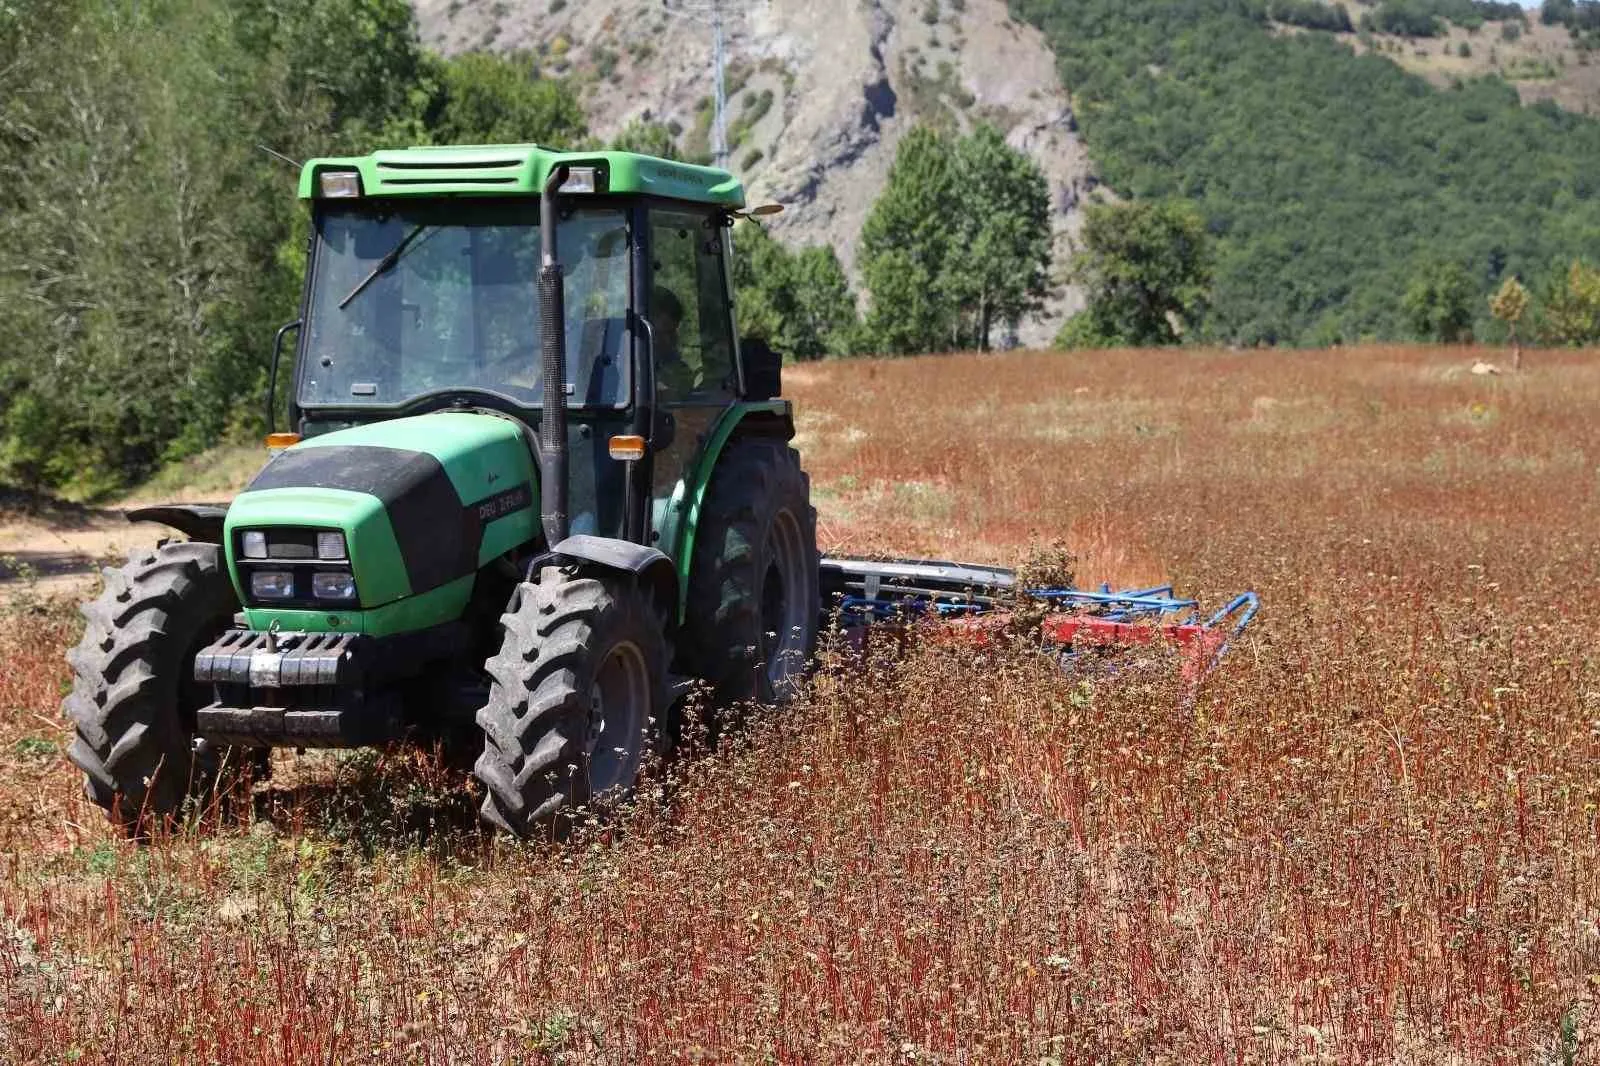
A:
553,344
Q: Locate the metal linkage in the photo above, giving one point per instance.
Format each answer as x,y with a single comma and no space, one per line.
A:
866,591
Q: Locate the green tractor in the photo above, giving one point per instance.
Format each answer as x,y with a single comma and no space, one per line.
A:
535,488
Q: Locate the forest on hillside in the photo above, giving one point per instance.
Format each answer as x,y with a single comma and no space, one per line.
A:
1328,180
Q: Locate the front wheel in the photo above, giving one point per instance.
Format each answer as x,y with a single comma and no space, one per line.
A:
134,696
576,699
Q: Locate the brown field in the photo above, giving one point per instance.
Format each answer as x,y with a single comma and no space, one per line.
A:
1373,837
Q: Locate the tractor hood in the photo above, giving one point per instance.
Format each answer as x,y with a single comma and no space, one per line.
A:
421,503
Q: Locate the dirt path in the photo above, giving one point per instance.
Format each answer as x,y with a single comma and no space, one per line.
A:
53,549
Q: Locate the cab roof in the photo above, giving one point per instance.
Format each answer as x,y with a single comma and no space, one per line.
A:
521,170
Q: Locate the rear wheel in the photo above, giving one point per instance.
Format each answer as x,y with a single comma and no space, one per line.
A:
576,700
134,697
751,626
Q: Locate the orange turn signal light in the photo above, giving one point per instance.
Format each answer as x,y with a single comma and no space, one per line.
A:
627,446
282,440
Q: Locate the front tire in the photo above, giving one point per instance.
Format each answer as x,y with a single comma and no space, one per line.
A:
576,700
134,697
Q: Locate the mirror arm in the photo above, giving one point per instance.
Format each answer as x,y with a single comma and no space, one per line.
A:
272,373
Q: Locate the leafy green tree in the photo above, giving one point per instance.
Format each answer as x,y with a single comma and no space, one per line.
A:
1572,309
1438,304
1146,269
825,307
799,302
998,267
1509,304
649,138
490,99
905,246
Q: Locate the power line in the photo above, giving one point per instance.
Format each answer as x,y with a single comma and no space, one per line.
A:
715,14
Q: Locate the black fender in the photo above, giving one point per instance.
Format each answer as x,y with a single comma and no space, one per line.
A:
649,567
200,522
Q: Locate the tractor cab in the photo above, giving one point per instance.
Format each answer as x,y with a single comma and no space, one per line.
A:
423,294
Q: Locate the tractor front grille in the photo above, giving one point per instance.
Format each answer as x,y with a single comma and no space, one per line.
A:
278,660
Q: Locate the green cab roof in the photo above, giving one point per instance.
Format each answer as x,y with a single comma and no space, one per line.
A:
521,170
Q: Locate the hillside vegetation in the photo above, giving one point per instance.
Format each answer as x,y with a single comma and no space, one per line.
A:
1329,179
1545,55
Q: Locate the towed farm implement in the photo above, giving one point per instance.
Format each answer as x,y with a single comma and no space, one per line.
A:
534,486
1085,628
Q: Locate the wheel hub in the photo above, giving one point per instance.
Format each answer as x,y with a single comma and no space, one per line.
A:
619,707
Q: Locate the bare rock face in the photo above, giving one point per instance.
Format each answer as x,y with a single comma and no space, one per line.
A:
819,93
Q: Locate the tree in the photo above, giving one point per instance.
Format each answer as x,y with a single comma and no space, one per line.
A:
998,269
490,99
1438,304
647,138
905,246
825,308
1572,310
798,302
151,249
1147,272
1509,304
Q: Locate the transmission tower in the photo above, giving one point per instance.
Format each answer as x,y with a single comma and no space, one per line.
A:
715,14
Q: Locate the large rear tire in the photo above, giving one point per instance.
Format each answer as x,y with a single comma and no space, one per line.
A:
753,604
134,696
576,700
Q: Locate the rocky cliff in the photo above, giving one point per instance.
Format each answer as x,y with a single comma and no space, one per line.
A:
819,92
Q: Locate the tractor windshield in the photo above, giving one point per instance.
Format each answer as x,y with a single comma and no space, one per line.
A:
411,298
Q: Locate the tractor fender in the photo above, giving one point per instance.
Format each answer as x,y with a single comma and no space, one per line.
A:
649,567
200,522
772,418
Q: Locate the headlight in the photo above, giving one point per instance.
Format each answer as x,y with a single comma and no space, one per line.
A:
339,184
333,585
330,545
255,545
272,585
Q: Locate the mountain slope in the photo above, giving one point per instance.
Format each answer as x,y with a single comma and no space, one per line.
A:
820,92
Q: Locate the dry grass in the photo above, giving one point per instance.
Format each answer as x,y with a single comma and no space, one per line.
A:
1373,838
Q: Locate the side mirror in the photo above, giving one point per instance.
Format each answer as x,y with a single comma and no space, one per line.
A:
763,369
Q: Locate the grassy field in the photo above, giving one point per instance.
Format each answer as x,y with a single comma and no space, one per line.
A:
1373,836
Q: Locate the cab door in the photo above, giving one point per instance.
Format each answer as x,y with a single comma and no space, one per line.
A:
691,320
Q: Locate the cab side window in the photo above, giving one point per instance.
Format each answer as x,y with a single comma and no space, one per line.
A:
689,307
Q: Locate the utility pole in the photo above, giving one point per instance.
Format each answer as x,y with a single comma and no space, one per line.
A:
713,13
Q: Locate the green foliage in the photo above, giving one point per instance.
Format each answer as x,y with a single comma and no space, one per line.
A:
799,302
1510,303
151,249
1146,269
1571,313
958,241
997,272
905,244
648,138
490,99
1311,15
1439,302
1325,176
1580,17
1407,19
